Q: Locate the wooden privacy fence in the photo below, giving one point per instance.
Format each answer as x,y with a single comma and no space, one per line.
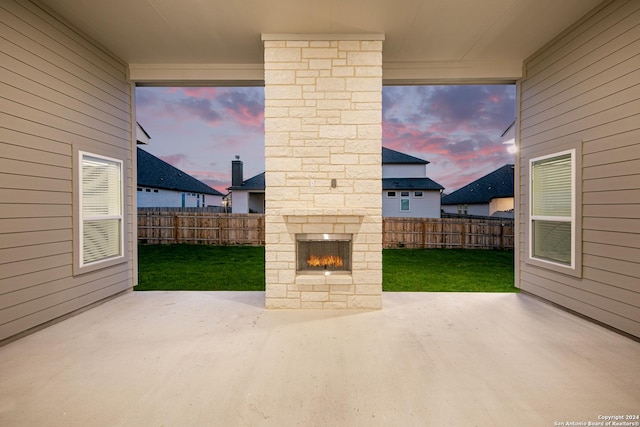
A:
199,227
462,233
207,228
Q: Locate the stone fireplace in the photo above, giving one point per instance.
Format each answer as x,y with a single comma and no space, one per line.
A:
323,174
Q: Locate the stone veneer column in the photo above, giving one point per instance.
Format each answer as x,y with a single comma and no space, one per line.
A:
323,122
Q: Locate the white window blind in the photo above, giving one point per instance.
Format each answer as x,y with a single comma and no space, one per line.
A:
551,186
552,208
101,208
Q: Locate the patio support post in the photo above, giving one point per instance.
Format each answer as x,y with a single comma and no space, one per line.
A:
323,173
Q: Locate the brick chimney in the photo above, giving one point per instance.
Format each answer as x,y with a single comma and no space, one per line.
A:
236,172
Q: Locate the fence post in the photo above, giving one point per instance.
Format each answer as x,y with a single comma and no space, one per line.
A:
176,229
463,234
261,231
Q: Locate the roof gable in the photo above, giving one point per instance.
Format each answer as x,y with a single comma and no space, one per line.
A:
156,173
390,156
497,184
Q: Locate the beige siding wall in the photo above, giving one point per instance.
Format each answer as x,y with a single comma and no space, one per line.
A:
59,93
585,87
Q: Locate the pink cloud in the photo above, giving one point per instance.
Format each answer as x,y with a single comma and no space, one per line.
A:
244,106
199,92
214,179
457,129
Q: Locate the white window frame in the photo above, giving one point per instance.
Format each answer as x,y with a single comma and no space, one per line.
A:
389,194
572,218
415,194
408,200
105,262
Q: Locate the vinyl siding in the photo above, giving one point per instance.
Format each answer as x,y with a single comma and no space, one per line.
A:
173,199
240,201
481,209
584,87
427,206
403,171
59,93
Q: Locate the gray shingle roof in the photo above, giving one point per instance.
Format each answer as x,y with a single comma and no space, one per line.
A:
254,183
156,173
497,184
390,156
410,184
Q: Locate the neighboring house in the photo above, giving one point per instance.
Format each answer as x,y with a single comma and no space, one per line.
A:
406,191
142,137
491,195
246,196
163,185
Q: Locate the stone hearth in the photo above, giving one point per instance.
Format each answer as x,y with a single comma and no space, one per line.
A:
323,132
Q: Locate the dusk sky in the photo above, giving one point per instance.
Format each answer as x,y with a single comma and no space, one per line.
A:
456,128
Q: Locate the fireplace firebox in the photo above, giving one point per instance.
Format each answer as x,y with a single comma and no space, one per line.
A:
323,253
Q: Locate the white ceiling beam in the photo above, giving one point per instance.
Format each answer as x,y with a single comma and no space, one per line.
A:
414,73
197,74
451,72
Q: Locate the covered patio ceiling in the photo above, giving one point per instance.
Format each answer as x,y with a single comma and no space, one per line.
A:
426,41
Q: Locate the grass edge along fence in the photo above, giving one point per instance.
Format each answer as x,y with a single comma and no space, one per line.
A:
159,226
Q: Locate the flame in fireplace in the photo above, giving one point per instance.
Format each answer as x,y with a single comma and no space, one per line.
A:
324,261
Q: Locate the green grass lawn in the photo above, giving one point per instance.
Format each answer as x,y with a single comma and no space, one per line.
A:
241,268
200,268
447,270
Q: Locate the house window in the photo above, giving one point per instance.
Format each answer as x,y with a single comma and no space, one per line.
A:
139,189
417,194
155,191
404,194
404,204
148,190
101,209
552,201
391,194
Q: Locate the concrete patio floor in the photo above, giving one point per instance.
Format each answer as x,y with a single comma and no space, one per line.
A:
221,359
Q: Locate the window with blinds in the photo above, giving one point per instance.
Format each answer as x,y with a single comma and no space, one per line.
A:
101,223
552,208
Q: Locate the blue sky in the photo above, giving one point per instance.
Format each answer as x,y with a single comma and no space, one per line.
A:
456,128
